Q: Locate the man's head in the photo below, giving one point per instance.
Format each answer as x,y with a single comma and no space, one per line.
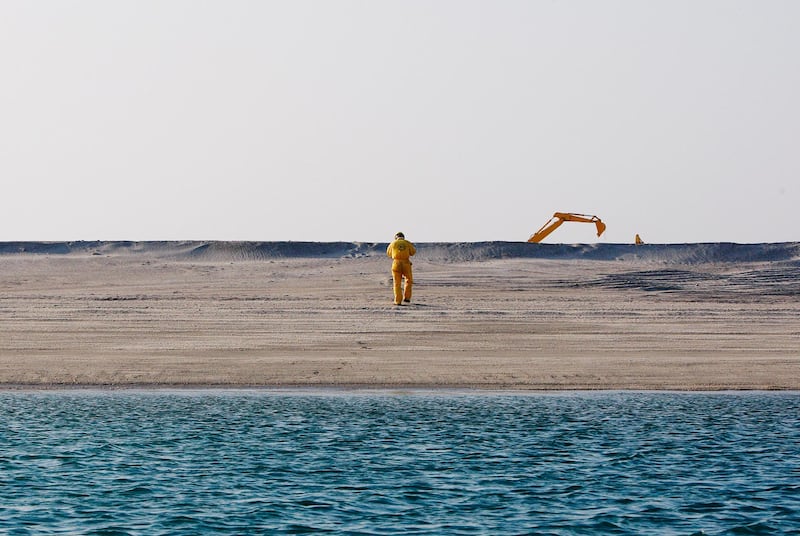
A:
399,235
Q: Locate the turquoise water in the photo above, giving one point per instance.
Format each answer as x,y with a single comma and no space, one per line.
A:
262,462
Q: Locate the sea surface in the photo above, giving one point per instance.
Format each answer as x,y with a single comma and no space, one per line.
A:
275,462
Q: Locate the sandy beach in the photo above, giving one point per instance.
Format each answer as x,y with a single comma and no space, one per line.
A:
484,315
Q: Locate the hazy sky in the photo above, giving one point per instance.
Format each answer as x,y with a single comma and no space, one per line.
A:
350,120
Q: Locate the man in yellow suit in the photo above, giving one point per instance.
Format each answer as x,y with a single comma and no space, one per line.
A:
401,250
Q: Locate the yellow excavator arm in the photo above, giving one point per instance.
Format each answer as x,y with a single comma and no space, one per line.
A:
559,218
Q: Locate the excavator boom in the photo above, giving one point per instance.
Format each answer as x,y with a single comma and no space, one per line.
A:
559,218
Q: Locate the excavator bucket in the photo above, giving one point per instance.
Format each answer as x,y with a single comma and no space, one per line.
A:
600,227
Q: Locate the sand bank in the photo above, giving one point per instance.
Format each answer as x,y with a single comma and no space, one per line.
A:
493,315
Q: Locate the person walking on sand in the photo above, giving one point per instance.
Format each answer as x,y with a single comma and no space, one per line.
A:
401,250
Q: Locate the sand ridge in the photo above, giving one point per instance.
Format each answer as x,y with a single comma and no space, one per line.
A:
698,253
496,315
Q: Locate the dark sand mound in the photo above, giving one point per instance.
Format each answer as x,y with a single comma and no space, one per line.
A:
196,250
719,252
663,253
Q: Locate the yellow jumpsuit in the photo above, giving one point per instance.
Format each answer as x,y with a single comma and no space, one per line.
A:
400,250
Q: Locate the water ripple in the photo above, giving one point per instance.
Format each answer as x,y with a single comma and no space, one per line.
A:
260,462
